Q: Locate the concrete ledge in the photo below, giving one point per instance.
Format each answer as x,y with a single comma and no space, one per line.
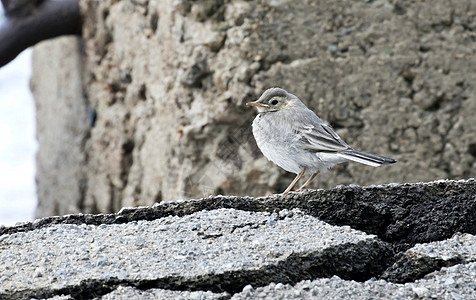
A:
351,238
402,214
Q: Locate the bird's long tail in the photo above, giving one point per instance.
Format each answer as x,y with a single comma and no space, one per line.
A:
366,158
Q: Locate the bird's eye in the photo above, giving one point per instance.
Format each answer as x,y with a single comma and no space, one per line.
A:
274,102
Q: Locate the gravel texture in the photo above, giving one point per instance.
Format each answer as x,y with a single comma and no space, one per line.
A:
425,258
457,282
127,293
462,246
222,249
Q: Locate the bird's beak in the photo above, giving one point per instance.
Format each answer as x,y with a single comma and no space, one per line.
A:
257,104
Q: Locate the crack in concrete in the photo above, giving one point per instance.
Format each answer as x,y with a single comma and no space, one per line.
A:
410,270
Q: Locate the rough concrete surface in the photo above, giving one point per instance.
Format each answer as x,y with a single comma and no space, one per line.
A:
402,214
128,293
272,247
425,258
456,282
222,249
168,85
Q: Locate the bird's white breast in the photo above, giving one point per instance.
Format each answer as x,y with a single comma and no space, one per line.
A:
278,140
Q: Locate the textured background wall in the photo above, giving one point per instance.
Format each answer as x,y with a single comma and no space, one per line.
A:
62,126
169,79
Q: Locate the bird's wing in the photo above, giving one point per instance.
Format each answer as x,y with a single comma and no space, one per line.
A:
320,137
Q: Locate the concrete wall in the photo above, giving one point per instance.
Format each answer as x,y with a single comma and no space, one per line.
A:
169,79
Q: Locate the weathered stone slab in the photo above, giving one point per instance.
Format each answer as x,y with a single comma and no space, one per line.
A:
218,250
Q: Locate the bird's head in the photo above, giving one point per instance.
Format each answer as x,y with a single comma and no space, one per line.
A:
275,99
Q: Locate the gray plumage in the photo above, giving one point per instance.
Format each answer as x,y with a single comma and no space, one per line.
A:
296,139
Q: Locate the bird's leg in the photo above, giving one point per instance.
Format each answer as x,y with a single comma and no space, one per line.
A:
308,181
298,176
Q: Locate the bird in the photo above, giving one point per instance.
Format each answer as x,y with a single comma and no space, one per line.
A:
293,137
